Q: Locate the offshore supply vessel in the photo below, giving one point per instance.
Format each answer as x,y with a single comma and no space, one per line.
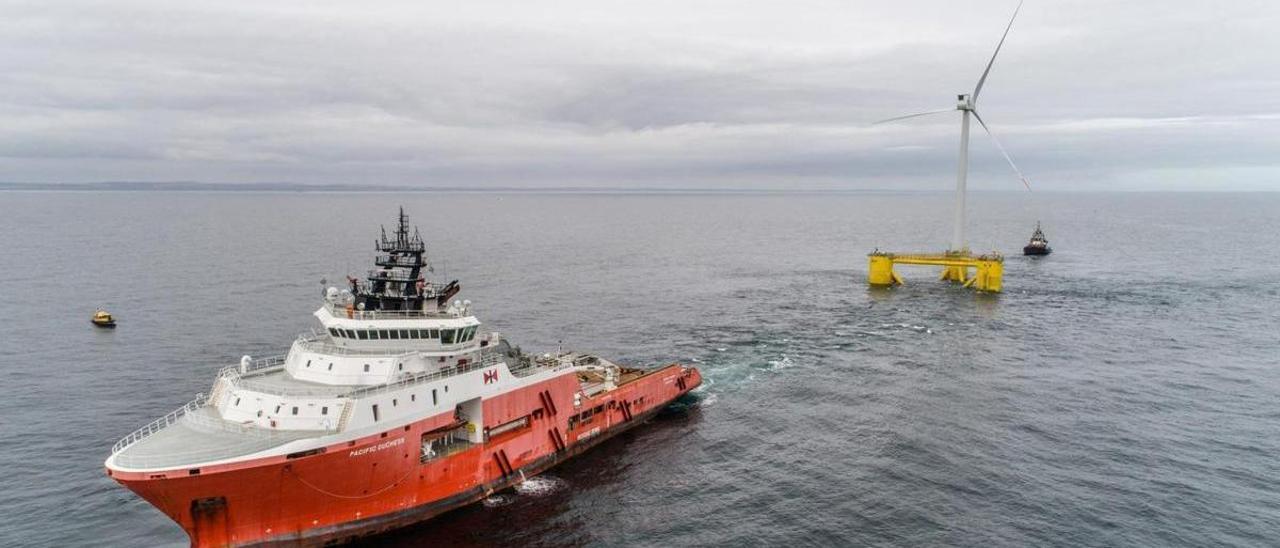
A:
1039,245
400,409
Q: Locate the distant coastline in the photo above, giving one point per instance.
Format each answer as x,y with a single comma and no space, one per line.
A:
127,186
181,186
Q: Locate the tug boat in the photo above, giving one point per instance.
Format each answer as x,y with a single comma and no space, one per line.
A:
399,409
102,318
1039,245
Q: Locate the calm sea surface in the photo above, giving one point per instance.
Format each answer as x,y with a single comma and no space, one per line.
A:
1124,391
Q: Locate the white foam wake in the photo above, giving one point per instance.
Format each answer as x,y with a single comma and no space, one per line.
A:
538,486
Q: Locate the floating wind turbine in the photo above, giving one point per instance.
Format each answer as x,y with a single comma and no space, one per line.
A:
968,105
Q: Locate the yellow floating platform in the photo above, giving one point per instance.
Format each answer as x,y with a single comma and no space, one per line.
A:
988,268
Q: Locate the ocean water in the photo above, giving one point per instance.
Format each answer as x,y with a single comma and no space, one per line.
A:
1124,391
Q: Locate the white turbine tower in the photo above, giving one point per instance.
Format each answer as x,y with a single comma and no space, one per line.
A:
967,105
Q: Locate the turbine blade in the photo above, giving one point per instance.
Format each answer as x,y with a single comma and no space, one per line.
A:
983,80
894,119
1003,152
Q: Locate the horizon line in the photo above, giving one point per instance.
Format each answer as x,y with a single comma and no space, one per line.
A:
193,186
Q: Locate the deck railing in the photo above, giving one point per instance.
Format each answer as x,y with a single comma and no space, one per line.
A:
214,421
256,367
340,311
486,360
318,343
158,424
234,377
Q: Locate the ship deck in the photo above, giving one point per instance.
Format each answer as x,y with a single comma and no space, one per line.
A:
278,381
625,375
201,436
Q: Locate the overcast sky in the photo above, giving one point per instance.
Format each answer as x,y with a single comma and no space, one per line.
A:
1087,94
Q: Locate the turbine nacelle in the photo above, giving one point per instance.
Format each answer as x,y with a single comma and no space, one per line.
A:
964,102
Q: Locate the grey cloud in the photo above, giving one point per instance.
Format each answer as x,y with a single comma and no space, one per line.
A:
661,94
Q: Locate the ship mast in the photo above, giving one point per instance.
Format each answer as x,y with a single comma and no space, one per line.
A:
397,283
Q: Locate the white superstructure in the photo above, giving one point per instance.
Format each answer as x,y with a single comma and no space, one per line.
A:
392,349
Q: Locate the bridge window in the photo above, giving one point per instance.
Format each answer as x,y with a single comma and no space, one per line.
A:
386,335
362,334
333,331
404,333
395,334
446,336
435,334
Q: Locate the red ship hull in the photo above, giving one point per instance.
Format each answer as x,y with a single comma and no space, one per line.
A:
377,483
